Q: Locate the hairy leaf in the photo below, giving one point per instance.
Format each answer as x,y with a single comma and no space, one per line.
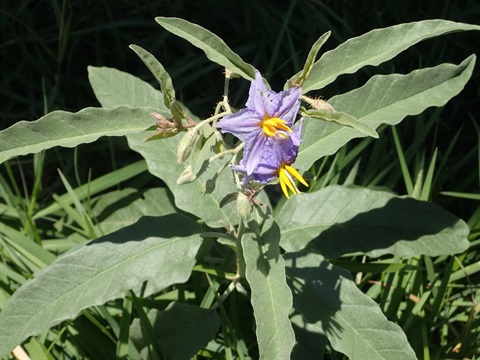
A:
160,250
332,304
384,99
113,87
203,195
157,70
375,47
307,68
214,47
341,119
62,128
120,208
271,298
161,155
338,220
180,330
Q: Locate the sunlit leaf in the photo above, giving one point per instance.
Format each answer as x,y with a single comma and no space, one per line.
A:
161,155
332,304
375,47
160,250
338,220
62,128
157,70
384,99
214,47
271,298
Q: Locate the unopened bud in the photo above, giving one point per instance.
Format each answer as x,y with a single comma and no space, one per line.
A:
162,122
186,176
244,207
177,113
185,145
318,104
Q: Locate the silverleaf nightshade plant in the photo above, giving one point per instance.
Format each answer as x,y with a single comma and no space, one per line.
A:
281,250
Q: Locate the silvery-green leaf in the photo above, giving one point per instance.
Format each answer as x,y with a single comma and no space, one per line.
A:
160,250
62,128
375,47
341,119
214,47
157,69
331,304
337,220
384,99
271,298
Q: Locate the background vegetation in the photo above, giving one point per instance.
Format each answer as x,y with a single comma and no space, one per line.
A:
46,46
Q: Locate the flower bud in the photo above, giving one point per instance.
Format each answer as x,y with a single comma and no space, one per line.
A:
186,176
185,145
244,207
318,104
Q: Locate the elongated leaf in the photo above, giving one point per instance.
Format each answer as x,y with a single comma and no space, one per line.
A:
161,155
214,47
157,70
271,298
307,68
160,250
180,330
341,119
375,47
384,99
113,88
117,209
62,128
202,196
338,220
332,304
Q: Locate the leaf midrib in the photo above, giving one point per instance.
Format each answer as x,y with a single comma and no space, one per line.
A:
114,267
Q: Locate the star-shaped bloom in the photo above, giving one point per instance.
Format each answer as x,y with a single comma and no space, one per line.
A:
268,115
275,161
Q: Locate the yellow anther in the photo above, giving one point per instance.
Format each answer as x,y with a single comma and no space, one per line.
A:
270,126
285,173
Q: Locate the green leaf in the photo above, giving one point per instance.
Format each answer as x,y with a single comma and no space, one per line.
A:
117,209
332,304
341,119
270,296
214,47
113,87
160,250
310,341
62,128
384,99
157,70
180,330
202,196
337,220
375,47
307,68
161,155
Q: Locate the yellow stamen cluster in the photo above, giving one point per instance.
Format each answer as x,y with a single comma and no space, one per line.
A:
270,125
285,173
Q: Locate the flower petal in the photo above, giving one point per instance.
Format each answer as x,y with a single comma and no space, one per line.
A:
288,106
241,124
255,97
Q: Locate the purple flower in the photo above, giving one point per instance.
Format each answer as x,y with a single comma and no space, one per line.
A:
268,116
275,160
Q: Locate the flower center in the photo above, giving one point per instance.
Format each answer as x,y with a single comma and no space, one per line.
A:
270,125
286,173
